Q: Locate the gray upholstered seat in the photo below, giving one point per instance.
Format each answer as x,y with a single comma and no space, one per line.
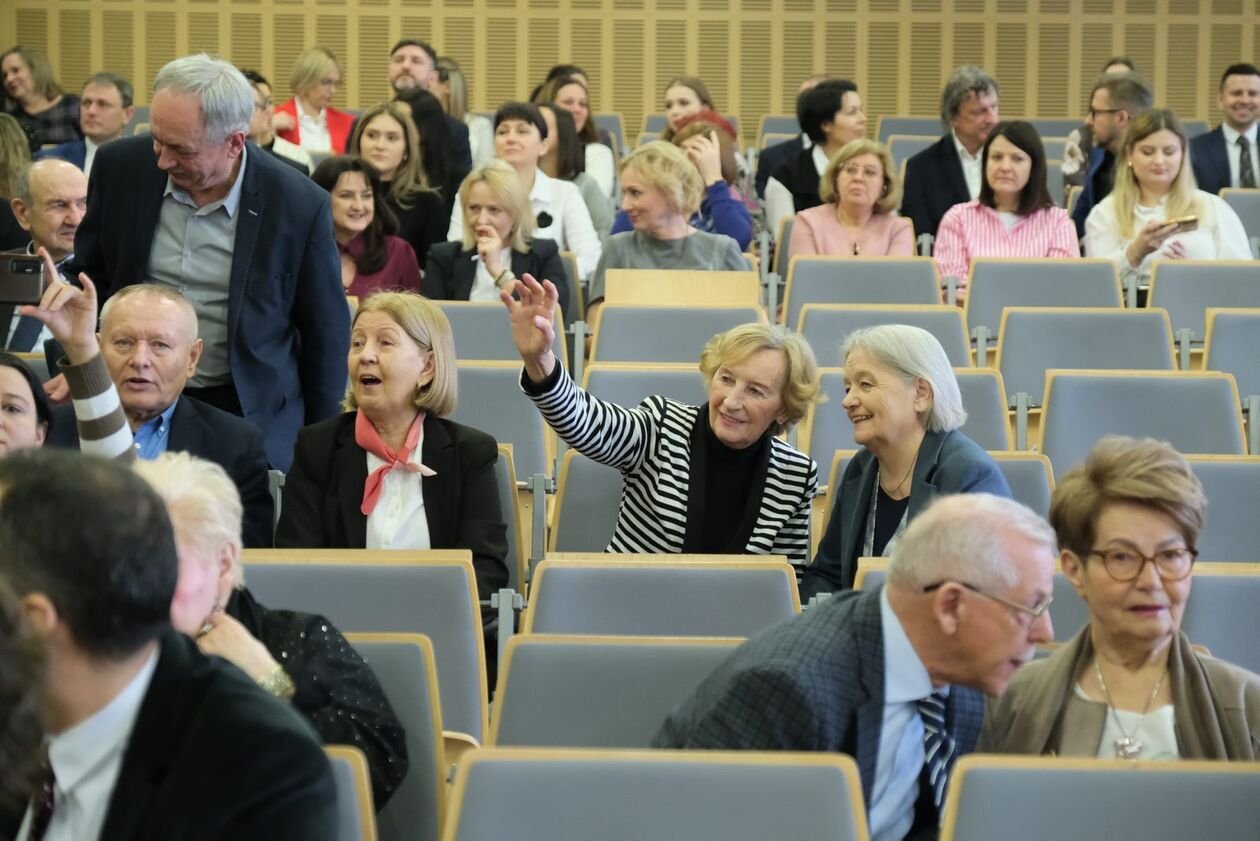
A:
490,399
995,284
1186,288
859,280
588,498
1030,477
632,333
825,326
1232,486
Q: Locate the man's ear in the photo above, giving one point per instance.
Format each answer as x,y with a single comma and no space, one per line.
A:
948,606
19,212
41,613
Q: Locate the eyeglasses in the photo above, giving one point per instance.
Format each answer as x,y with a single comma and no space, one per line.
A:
1034,612
1172,564
1094,112
854,171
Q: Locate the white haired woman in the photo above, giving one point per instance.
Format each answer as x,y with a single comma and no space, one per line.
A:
300,657
903,400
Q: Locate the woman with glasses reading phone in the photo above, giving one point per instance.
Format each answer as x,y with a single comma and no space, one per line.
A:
1129,685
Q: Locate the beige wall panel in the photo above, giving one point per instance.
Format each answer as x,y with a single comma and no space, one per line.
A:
76,64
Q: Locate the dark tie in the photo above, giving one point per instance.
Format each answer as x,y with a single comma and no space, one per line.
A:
42,802
28,330
938,746
1246,174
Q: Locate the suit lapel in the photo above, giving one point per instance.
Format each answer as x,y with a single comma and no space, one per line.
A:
523,264
248,219
148,212
922,491
953,165
186,429
859,488
437,452
465,273
351,469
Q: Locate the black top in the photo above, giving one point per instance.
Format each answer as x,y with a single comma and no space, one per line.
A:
423,223
337,693
800,176
724,492
1105,177
888,513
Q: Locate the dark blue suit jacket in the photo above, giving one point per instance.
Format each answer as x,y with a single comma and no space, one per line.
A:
1210,160
772,157
74,151
288,323
1090,195
948,463
934,183
234,444
813,683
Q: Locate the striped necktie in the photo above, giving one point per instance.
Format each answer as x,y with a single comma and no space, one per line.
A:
1246,174
938,746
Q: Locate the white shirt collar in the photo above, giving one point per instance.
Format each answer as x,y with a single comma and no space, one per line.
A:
963,154
1232,134
544,188
906,679
77,752
820,159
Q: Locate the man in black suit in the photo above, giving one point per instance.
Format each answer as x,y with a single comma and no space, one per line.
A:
148,738
948,172
413,64
889,675
245,238
149,341
1227,156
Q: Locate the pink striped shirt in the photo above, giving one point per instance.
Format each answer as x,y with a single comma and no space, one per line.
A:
972,230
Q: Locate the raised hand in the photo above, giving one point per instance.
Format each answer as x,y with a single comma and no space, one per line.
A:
69,313
705,151
531,321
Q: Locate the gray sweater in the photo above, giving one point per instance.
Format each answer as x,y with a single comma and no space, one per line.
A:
637,250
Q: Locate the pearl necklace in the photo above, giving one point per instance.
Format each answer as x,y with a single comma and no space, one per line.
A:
1127,747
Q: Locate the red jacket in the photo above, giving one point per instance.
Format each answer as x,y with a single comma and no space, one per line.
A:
339,124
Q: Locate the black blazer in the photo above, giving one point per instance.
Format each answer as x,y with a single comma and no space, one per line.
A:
233,443
1210,160
450,270
288,324
213,757
424,223
323,494
800,176
934,183
948,463
772,156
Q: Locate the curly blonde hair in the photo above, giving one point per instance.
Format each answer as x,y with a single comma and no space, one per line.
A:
668,169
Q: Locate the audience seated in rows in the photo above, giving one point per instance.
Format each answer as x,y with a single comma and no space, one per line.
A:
392,472
148,339
451,89
950,172
372,258
698,479
1115,102
709,141
261,270
1129,685
1227,156
831,116
1014,215
564,160
772,156
298,657
860,192
262,129
48,205
1154,211
894,676
386,137
520,139
571,94
309,119
498,245
31,94
105,108
903,399
1080,140
138,719
661,191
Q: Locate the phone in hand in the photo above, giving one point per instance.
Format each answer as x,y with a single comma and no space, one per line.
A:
1184,224
21,279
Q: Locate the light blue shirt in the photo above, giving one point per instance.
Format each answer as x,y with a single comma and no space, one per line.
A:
151,438
901,756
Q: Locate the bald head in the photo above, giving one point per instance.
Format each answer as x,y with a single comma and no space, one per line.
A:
50,200
173,308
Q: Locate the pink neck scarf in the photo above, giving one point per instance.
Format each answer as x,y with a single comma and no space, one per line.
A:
366,436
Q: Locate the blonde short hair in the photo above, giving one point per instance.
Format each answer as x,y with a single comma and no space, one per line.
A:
311,67
426,324
1142,472
667,168
202,500
891,198
509,191
802,387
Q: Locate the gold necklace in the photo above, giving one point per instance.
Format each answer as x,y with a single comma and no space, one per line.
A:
1127,747
903,479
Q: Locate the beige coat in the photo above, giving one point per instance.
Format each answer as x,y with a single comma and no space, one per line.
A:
1216,707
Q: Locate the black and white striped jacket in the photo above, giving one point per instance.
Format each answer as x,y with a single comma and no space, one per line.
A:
651,446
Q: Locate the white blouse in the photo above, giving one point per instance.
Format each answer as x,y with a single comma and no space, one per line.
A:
1219,236
398,521
1156,733
601,166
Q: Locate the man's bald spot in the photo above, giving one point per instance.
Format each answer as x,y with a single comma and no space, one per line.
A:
47,171
141,293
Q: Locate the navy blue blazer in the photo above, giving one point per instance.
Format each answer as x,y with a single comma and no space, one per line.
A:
948,463
74,151
234,444
813,683
1210,160
1090,195
934,183
288,323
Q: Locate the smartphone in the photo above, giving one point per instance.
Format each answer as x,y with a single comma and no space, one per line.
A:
21,279
1184,223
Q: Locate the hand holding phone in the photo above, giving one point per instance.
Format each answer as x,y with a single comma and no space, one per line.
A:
1184,224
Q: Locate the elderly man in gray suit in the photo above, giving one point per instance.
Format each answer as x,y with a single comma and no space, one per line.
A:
893,675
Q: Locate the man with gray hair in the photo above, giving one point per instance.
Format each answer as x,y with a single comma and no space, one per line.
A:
1116,100
248,241
892,675
948,172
